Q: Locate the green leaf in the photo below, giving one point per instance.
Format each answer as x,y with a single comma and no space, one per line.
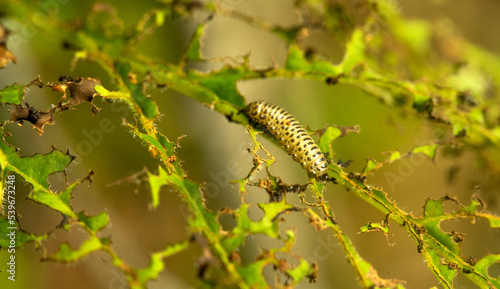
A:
428,150
193,52
483,265
94,223
35,170
10,228
368,276
53,201
252,274
421,96
267,225
223,83
300,272
103,92
442,253
417,34
331,133
374,227
433,215
189,190
137,91
394,156
355,55
156,265
296,60
459,125
156,182
13,94
494,221
66,254
396,71
288,34
435,262
471,79
59,202
371,165
158,144
476,115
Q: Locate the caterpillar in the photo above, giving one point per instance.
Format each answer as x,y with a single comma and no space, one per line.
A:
291,135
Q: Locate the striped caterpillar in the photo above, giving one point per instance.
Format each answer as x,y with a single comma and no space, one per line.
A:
291,135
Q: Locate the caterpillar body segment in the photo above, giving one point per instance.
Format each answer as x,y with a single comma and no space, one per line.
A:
291,135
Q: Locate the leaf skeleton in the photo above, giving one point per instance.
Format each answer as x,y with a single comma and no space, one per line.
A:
291,135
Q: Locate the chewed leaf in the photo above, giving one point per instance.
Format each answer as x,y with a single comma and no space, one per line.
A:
365,271
302,271
11,236
355,54
330,134
13,94
408,64
156,182
35,169
194,52
494,221
442,250
38,118
296,61
158,144
428,150
371,165
222,83
157,265
394,156
66,254
267,225
94,223
483,265
374,227
145,104
53,201
252,274
434,214
75,91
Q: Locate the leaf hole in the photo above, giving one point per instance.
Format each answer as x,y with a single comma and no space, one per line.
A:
255,213
494,271
227,221
57,182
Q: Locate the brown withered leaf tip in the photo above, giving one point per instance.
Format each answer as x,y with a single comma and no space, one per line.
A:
36,117
80,90
5,55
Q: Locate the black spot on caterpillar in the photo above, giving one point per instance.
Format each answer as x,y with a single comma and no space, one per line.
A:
291,135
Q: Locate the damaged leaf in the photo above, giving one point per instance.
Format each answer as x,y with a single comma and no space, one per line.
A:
75,91
5,55
39,119
81,89
67,254
35,170
13,94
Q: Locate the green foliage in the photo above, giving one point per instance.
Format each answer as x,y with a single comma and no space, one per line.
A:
458,101
12,94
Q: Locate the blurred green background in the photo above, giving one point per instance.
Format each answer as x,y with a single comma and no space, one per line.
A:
214,151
